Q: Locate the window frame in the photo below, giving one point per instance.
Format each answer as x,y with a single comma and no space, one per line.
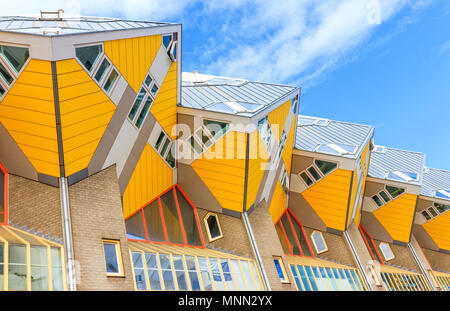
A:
280,261
382,251
118,250
12,72
315,245
205,220
316,168
208,134
389,195
161,146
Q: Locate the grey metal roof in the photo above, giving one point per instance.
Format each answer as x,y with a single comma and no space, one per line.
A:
389,160
69,25
312,133
435,180
228,95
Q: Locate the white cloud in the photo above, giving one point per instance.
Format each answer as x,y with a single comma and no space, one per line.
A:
277,41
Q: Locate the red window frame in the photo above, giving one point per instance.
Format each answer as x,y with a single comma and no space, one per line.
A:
5,191
364,233
180,218
291,216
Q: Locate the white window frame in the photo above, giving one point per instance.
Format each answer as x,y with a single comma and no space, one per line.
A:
384,255
15,74
94,68
158,151
387,193
314,242
322,175
211,137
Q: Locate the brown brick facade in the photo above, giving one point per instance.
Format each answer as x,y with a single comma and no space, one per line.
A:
403,257
438,260
35,205
96,212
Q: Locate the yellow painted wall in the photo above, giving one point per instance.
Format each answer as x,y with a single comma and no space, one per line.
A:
165,106
257,163
358,213
28,113
85,114
225,176
133,57
439,230
278,203
289,147
397,216
329,198
150,178
277,117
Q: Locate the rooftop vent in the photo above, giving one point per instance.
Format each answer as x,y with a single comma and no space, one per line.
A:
51,16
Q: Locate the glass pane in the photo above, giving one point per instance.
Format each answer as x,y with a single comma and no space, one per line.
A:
314,173
217,129
318,278
217,276
39,268
159,140
377,200
227,274
442,207
189,220
290,235
237,274
248,275
204,138
350,279
16,56
394,192
148,80
325,167
166,268
170,156
17,268
135,227
153,272
170,214
153,222
304,277
311,278
338,279
165,146
166,40
387,252
88,55
432,212
2,91
331,278
319,241
205,274
111,79
344,279
282,239
255,275
57,275
306,179
297,280
425,214
195,145
355,278
154,89
301,237
384,196
139,273
279,270
143,112
112,264
192,270
102,69
5,75
180,272
137,104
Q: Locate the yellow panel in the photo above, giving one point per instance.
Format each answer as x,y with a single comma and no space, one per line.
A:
439,230
85,114
165,106
28,113
289,147
224,176
329,198
278,203
257,163
150,178
133,57
364,158
397,216
277,119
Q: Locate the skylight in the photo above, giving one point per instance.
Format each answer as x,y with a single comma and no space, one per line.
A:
403,176
445,194
312,121
338,149
235,107
379,149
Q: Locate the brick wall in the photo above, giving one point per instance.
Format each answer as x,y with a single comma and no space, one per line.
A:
234,238
269,245
438,260
35,205
403,256
338,249
96,213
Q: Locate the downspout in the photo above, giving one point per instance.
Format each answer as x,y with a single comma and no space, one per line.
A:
358,261
422,268
249,230
64,189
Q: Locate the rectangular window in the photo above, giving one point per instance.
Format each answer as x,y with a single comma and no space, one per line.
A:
205,273
297,280
5,75
110,80
248,275
137,104
387,252
180,272
432,212
57,273
319,242
278,261
139,271
192,271
227,276
238,274
152,271
306,179
17,267
101,70
143,112
112,258
39,268
167,271
217,275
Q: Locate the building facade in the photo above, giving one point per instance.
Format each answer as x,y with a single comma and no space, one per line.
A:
120,172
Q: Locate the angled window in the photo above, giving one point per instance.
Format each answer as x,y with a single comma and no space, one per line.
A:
212,227
278,261
143,113
110,80
2,91
426,215
170,159
403,176
441,208
196,146
445,194
154,90
165,147
388,194
265,131
102,70
6,76
284,181
15,56
314,173
432,212
394,191
292,235
387,251
384,196
377,200
88,55
173,52
319,242
379,149
306,179
325,167
153,222
113,257
167,40
137,104
337,149
160,140
216,129
148,80
317,171
203,137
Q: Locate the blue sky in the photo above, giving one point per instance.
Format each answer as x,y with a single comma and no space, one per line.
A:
380,62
